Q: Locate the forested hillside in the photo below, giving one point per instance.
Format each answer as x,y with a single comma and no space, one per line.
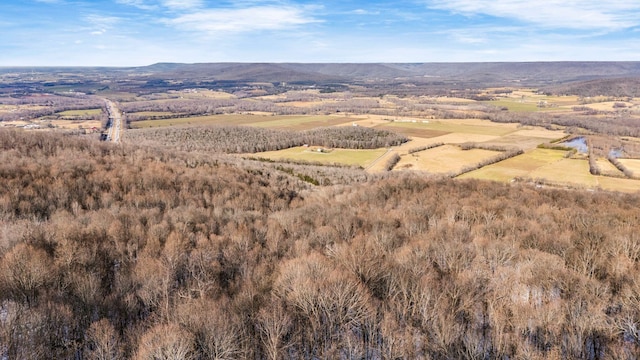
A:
124,252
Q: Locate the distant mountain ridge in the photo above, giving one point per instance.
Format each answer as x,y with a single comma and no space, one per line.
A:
537,73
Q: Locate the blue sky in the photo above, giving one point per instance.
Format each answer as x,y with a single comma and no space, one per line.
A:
143,32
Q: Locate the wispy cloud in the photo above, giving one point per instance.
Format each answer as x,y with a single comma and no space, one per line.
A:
100,24
140,4
243,20
563,14
365,12
183,4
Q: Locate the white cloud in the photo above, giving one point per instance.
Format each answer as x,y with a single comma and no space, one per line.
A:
365,12
140,4
182,4
242,20
567,14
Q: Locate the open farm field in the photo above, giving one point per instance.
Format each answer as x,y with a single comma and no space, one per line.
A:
618,184
569,171
203,93
21,107
518,166
407,129
361,158
608,105
151,113
288,122
607,168
444,159
531,101
515,105
527,138
463,126
80,113
73,124
631,164
199,120
300,122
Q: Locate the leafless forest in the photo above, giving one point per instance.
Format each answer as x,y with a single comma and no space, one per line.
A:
107,252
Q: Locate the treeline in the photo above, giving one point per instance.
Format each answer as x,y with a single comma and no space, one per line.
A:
44,105
192,107
244,139
619,87
612,123
116,252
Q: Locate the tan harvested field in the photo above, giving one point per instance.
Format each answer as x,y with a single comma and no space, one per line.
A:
607,168
13,108
79,113
361,158
413,131
151,113
203,93
632,164
517,141
527,138
289,122
301,103
518,166
443,159
74,124
569,171
300,122
461,126
618,184
607,105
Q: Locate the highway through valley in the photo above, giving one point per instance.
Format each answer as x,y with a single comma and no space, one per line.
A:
115,124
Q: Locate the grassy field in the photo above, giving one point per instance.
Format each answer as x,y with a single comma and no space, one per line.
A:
618,184
462,126
80,113
569,171
301,122
361,158
607,168
632,164
444,159
75,124
264,121
199,120
518,166
152,113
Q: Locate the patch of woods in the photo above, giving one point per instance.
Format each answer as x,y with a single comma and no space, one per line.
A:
279,106
615,87
123,252
35,106
245,139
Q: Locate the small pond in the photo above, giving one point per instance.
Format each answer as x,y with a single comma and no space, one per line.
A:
578,143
